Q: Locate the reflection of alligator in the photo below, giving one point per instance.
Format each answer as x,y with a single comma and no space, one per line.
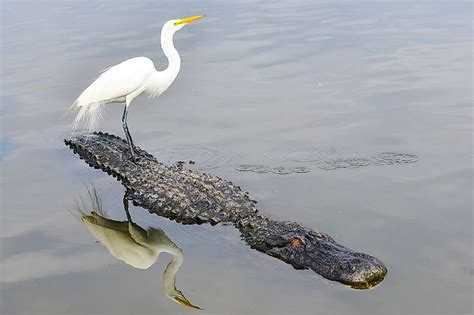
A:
190,197
132,244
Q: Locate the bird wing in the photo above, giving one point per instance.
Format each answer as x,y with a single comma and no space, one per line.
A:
117,81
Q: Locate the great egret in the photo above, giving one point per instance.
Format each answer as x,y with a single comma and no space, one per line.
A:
134,245
125,81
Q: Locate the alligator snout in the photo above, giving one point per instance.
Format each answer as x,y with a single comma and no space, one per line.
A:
360,271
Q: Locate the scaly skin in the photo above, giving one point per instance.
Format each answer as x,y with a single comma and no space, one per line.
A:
191,197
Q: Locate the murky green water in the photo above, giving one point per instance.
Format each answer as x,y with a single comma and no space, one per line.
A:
262,83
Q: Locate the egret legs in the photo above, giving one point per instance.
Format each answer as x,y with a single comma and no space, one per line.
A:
127,133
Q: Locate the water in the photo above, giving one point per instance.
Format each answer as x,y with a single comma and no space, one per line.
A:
262,83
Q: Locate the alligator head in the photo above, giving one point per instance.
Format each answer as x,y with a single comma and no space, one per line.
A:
310,249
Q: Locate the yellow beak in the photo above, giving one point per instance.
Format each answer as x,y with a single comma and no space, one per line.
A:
188,20
183,301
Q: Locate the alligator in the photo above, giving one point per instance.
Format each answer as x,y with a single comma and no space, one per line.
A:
191,197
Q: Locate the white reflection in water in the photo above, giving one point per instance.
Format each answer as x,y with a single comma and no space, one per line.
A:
132,244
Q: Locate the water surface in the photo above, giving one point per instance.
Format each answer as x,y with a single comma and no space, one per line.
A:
261,83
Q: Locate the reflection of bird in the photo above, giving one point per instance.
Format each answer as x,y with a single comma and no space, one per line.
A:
134,245
123,82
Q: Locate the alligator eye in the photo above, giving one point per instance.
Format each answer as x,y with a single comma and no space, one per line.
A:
296,242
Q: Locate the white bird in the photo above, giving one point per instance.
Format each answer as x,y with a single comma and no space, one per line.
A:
134,245
125,81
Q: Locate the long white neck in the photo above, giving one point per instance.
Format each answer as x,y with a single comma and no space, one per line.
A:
174,61
169,276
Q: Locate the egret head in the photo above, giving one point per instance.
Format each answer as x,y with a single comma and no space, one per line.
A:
179,298
176,25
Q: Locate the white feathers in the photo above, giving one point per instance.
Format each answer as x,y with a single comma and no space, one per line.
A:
89,114
125,81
